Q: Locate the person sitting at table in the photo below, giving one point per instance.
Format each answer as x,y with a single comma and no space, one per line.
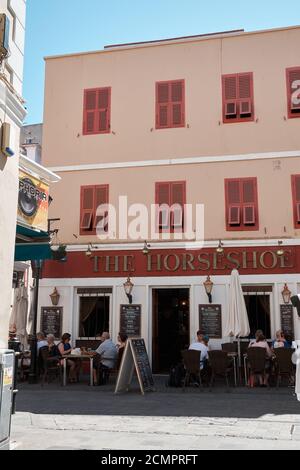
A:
65,349
52,348
280,341
105,358
200,345
261,342
41,341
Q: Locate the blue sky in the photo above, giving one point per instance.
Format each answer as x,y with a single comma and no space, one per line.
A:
65,26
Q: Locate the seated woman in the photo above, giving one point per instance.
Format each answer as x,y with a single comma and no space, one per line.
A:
261,342
53,350
122,340
65,349
280,341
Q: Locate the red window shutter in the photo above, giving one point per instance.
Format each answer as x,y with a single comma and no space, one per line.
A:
90,111
249,214
234,199
296,199
178,198
241,204
163,196
249,201
96,113
293,92
234,215
238,101
101,197
170,107
86,209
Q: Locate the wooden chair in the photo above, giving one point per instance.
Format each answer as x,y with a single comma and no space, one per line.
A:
284,365
229,347
191,361
50,366
221,366
256,363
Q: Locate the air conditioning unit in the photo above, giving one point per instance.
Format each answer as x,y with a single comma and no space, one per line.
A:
230,109
245,107
4,35
5,140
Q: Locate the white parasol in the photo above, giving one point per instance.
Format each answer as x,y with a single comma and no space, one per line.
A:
237,323
18,319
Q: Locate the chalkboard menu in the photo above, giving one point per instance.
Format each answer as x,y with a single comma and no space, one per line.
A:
130,320
142,364
51,321
135,358
287,320
210,320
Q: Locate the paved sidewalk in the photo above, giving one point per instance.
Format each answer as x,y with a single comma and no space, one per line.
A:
80,417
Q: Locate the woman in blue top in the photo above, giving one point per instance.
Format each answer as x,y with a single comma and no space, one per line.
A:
65,349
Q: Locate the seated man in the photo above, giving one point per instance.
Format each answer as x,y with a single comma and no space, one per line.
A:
105,356
200,345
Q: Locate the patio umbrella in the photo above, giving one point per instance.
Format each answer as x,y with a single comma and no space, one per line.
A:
296,361
19,315
237,323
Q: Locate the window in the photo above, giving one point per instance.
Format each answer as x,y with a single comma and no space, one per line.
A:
238,97
171,198
170,106
96,111
241,204
296,199
90,199
93,315
293,92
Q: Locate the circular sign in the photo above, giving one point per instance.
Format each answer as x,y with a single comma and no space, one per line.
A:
28,202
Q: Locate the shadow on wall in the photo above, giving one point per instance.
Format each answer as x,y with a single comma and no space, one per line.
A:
3,161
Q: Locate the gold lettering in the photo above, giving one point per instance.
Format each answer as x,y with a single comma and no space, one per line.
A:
128,263
262,259
166,262
284,259
249,259
153,264
236,263
96,264
216,260
111,263
204,261
188,262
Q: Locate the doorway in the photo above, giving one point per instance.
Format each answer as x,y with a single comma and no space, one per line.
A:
171,327
259,313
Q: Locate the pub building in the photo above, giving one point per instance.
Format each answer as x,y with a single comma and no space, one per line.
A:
193,120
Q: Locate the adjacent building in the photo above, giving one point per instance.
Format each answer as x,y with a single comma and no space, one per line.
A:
208,120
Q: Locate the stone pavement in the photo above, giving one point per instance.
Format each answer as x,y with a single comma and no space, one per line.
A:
81,417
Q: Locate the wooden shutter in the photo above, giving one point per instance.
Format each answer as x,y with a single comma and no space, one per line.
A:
170,106
101,197
96,111
178,198
230,95
90,111
163,196
296,199
238,100
233,198
249,201
162,105
86,209
293,92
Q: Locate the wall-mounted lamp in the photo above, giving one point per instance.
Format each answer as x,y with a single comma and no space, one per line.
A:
54,297
128,286
220,248
146,248
280,251
208,285
286,294
89,251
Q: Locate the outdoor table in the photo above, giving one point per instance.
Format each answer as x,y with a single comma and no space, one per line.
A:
81,357
234,356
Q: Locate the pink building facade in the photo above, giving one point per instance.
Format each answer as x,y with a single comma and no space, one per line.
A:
211,121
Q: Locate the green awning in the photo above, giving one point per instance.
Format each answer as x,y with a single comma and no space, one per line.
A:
35,245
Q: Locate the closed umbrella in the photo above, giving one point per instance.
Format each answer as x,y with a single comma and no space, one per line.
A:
237,323
20,312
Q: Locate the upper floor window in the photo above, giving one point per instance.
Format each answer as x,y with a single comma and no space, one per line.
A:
91,198
296,199
171,199
293,92
241,204
170,104
238,97
96,111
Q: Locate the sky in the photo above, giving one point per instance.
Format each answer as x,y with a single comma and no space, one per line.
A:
56,27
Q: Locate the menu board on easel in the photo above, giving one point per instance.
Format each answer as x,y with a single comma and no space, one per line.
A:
210,320
51,321
135,358
287,320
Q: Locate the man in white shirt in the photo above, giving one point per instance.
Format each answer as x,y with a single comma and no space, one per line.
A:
105,356
41,341
199,345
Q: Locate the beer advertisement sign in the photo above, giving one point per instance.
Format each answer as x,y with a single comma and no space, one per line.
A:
33,202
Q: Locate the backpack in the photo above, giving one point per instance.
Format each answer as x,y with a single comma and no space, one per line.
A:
176,376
